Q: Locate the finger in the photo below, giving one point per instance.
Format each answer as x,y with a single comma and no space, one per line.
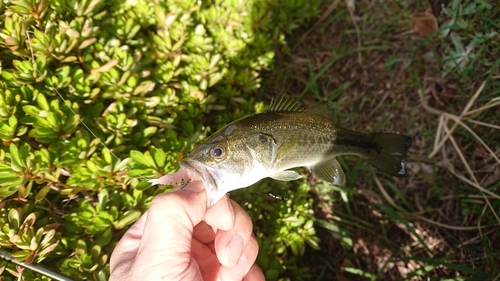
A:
203,233
221,215
171,217
126,249
244,264
255,274
206,260
229,245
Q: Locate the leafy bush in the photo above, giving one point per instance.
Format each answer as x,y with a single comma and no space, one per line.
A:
98,96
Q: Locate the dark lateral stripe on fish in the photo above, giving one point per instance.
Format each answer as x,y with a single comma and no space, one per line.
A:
366,144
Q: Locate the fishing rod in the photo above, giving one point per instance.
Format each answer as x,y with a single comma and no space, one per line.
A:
35,267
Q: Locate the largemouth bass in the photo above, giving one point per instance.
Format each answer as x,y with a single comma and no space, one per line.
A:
284,137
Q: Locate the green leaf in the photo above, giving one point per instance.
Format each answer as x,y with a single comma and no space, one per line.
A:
14,219
25,190
103,197
13,121
122,165
159,157
53,120
106,154
6,131
42,193
272,274
18,164
8,176
95,252
20,255
104,238
127,219
143,185
142,159
31,110
42,102
92,167
7,76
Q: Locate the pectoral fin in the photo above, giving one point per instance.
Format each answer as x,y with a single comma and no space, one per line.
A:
286,176
330,171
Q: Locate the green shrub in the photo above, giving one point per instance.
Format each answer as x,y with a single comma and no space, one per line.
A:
98,96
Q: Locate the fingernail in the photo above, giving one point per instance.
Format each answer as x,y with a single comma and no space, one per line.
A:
235,247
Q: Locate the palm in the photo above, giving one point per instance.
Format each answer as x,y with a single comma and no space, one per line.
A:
178,238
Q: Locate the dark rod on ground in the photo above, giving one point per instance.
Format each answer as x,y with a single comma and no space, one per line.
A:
35,267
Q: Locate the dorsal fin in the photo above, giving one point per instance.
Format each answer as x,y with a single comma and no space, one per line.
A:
322,110
281,103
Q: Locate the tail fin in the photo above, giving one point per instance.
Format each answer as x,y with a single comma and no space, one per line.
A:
389,154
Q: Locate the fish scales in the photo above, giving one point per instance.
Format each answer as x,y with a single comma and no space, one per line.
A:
318,135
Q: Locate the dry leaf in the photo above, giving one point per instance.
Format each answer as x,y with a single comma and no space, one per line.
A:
424,23
105,67
197,94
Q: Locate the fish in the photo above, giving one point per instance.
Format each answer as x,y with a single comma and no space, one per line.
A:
273,143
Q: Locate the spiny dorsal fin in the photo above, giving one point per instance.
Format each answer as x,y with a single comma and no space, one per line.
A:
281,103
322,110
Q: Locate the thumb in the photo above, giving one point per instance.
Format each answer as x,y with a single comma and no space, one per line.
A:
166,241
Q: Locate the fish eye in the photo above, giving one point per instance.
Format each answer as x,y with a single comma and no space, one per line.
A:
218,151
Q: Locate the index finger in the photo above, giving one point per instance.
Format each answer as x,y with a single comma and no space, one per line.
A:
166,227
172,217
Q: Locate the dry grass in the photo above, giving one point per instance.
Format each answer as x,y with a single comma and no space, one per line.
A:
379,75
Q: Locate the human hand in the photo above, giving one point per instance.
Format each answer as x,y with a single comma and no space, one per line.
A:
178,238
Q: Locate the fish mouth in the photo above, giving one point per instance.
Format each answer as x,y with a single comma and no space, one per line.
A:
202,172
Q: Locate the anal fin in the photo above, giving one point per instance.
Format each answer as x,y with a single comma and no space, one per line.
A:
330,171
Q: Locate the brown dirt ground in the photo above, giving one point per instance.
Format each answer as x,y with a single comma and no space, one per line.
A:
380,93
